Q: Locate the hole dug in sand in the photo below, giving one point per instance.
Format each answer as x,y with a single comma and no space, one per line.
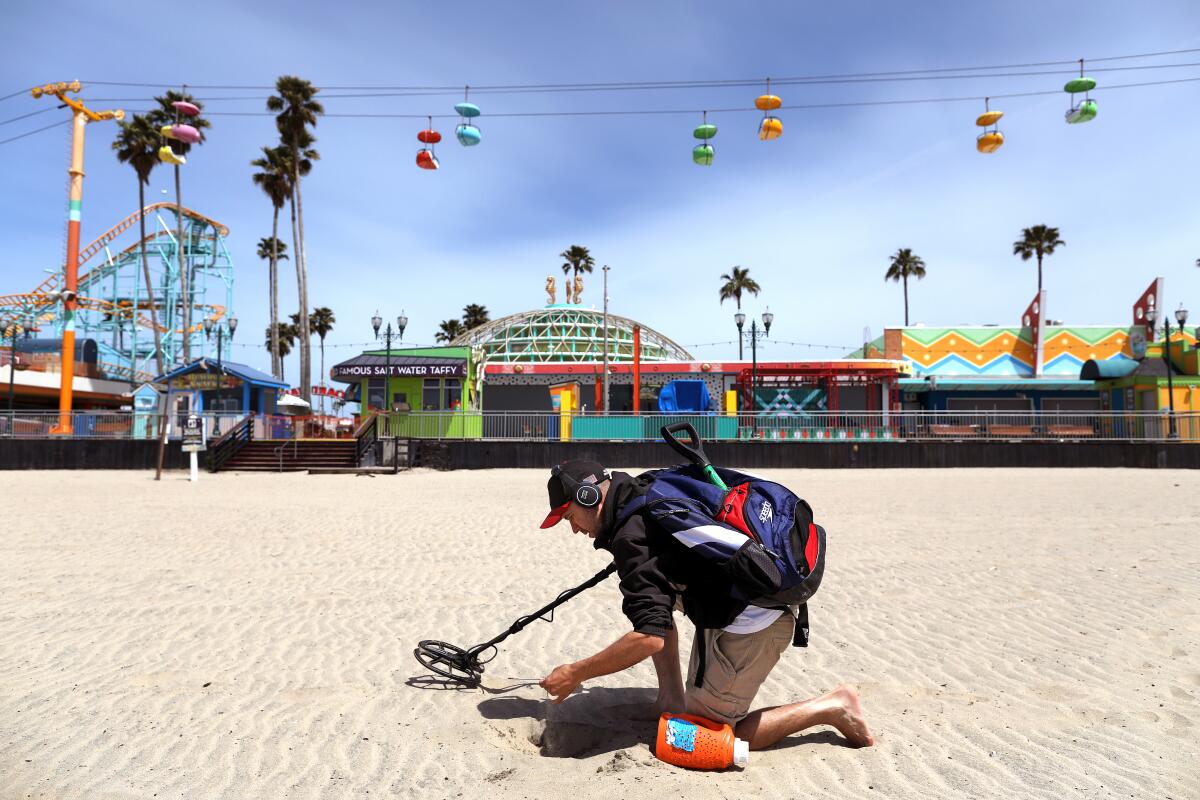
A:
589,723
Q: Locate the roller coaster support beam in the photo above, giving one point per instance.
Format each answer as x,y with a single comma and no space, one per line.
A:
81,117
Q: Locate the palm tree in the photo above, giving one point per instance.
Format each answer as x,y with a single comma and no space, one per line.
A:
322,320
284,335
576,259
449,330
737,282
905,263
272,250
474,315
275,180
167,114
137,145
297,111
1037,241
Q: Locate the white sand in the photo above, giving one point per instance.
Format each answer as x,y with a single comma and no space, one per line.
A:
1013,634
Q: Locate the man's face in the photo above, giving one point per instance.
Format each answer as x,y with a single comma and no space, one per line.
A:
586,520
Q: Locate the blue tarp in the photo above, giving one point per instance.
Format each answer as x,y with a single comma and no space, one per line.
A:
681,396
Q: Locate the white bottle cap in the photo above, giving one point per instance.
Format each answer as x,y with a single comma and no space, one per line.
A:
741,753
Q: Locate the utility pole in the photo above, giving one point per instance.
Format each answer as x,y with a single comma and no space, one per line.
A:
606,338
81,117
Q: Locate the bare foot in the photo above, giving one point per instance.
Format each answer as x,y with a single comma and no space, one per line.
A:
668,703
848,716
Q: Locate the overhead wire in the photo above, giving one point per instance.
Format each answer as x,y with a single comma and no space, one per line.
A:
729,110
27,116
652,84
930,73
914,75
668,83
35,130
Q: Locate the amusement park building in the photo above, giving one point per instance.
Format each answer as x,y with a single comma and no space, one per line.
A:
534,360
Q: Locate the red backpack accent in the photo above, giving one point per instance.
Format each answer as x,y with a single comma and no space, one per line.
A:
733,509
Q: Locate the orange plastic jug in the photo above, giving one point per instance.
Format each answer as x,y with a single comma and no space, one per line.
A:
689,741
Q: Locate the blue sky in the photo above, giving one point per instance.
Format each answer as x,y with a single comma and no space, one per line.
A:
814,215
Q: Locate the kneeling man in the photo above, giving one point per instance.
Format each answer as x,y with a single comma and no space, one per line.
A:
735,647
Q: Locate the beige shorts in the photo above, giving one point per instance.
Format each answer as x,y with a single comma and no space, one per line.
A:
735,665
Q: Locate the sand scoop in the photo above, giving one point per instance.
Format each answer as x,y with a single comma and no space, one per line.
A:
465,667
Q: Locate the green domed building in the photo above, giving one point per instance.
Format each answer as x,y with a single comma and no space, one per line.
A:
565,333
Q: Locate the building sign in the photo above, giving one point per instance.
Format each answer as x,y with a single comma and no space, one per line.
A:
400,370
193,434
206,380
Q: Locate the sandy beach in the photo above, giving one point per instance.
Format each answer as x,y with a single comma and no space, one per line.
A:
1012,634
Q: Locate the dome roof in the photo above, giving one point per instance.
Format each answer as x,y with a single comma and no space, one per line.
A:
564,332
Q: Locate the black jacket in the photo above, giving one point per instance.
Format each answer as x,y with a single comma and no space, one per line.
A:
655,569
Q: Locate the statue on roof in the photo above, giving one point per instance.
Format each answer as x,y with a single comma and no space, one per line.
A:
578,288
551,289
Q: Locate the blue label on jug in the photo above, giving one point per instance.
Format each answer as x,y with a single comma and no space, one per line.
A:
681,734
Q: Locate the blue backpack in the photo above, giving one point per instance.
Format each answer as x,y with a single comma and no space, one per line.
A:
758,533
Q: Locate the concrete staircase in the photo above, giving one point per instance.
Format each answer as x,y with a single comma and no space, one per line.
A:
297,456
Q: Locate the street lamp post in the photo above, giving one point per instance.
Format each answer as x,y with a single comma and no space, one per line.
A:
1181,316
222,331
754,335
605,405
401,324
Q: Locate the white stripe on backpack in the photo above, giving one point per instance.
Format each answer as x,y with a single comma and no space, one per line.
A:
711,534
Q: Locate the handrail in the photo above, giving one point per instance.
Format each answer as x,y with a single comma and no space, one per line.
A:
295,443
230,442
365,435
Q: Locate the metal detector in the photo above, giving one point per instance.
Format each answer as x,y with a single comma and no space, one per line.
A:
465,667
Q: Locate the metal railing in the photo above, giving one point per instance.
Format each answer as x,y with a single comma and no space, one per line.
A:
279,451
365,437
227,445
824,426
548,426
297,426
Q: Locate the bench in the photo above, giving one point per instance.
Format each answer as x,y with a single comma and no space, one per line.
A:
954,430
1070,431
1011,431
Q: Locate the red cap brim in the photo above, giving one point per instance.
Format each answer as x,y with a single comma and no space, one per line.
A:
555,515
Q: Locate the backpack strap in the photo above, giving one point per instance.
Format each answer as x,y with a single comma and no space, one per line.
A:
702,657
800,637
629,509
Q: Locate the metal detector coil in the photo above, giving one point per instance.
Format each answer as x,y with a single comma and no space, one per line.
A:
465,667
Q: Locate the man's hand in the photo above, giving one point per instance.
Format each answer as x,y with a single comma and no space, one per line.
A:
561,682
621,654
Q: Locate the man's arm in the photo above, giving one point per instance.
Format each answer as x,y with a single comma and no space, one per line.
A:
621,654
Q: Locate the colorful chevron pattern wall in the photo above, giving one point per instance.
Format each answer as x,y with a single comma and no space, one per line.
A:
998,352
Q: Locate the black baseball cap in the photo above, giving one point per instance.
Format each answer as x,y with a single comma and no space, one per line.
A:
564,479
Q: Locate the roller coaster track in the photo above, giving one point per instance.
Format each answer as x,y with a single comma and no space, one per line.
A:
41,299
87,253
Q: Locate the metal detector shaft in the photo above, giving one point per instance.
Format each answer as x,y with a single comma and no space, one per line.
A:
546,609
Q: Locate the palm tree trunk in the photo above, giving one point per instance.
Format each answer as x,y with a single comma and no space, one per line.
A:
183,276
302,279
1039,255
906,301
322,372
295,254
158,358
275,367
